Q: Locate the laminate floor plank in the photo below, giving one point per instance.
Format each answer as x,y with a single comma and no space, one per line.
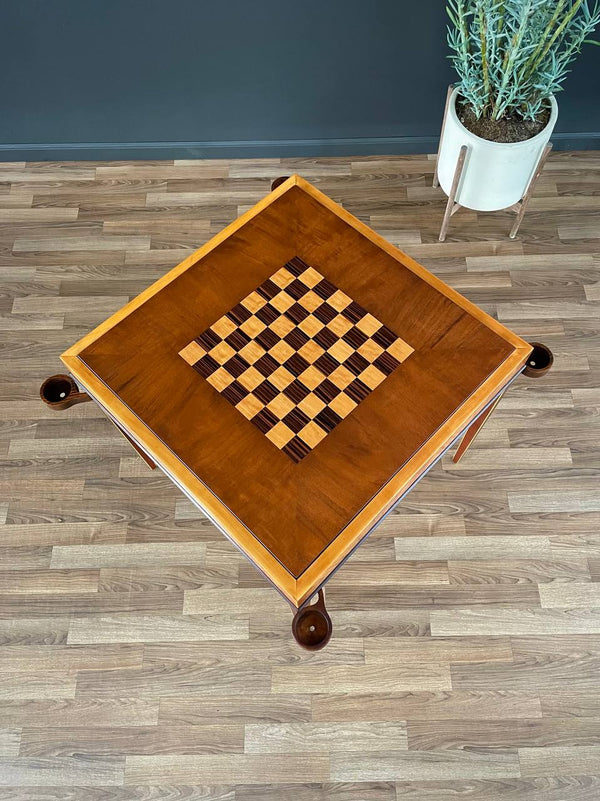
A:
432,765
196,710
474,735
71,658
88,713
314,791
135,628
519,571
318,738
114,741
558,760
59,771
127,555
554,788
220,768
362,678
484,621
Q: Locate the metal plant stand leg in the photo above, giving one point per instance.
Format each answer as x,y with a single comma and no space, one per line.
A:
451,206
522,204
436,180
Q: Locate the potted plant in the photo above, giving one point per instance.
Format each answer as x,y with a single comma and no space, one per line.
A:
511,57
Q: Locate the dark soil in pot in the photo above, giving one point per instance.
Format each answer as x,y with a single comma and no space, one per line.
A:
508,129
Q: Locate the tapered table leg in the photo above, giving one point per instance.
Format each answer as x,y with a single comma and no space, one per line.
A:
538,364
151,464
473,430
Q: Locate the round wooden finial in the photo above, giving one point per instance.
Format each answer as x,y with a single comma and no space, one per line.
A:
278,181
312,626
539,362
60,391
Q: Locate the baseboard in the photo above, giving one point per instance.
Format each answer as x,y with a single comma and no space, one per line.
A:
276,148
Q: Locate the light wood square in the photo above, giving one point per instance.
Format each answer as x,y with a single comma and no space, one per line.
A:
282,278
341,377
311,301
311,277
311,377
280,434
250,406
281,378
312,434
339,325
254,302
311,405
252,326
282,302
339,300
281,352
222,352
281,405
251,378
372,377
223,327
310,325
370,350
400,350
342,404
340,350
192,352
220,379
252,352
368,324
282,326
311,351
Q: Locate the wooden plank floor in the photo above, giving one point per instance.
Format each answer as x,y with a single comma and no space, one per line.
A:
142,658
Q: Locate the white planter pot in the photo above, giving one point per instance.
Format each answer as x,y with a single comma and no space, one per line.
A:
495,174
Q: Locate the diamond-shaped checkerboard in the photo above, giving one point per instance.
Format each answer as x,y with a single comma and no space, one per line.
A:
296,357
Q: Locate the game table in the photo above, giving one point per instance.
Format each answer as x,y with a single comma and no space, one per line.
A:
295,377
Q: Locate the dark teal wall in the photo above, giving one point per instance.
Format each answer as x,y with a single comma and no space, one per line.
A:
176,78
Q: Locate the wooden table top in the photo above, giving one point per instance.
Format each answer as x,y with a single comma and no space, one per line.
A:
295,376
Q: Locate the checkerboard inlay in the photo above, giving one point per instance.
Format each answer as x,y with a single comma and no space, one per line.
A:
296,356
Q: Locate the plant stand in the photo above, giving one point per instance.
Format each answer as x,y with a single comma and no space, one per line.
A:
452,207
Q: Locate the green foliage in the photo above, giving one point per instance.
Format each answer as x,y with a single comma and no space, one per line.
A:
511,55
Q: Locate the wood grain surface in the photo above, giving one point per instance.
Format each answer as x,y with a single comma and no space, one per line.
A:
143,659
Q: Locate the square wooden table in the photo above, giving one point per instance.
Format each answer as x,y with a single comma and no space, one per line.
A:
295,376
